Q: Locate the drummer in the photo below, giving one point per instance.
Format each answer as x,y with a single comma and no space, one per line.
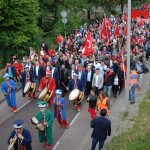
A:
48,82
76,83
27,76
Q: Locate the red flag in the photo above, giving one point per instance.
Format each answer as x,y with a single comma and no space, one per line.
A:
126,30
117,31
108,22
125,17
139,40
106,29
59,39
88,48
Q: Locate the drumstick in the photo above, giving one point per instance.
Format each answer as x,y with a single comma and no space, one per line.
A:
63,84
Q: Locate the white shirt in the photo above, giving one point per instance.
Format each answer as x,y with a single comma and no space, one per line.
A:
97,65
37,70
48,68
96,81
53,71
79,76
116,81
89,76
72,72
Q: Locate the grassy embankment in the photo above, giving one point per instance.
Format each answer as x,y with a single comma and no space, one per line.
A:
137,137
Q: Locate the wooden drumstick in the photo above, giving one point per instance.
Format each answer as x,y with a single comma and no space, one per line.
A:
63,84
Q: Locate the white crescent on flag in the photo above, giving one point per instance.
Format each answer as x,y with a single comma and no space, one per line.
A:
89,43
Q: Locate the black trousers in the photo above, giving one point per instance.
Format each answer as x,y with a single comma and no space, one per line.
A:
88,88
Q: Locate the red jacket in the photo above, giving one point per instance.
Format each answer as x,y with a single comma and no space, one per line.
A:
51,84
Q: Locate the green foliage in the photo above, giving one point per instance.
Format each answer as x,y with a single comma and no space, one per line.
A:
18,22
138,136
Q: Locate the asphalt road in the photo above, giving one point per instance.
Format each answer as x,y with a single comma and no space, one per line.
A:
26,113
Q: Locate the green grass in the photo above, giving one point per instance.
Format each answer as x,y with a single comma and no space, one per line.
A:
137,137
1,80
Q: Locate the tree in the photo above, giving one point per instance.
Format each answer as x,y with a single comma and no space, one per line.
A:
18,22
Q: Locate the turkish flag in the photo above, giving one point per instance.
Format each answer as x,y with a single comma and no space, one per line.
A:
108,22
88,47
125,17
139,40
106,29
117,31
59,39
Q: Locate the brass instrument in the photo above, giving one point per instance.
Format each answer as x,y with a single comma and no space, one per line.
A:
12,143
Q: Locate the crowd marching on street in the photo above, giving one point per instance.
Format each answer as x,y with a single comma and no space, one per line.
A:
89,64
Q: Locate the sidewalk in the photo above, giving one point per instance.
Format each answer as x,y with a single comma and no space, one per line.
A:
78,136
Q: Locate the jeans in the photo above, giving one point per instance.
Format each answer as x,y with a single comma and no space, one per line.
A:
94,143
140,80
132,93
107,90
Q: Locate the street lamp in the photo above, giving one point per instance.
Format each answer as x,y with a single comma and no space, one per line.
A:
64,19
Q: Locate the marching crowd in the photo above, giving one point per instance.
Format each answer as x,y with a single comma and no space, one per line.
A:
98,76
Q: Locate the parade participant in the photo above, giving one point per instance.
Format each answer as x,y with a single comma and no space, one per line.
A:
97,81
72,71
108,81
63,79
133,84
10,69
92,99
9,91
38,72
75,83
48,82
101,129
59,109
45,118
103,102
27,76
20,138
18,68
89,77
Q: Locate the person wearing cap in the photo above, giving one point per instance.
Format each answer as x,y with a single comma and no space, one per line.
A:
48,82
60,109
21,137
76,83
27,76
9,90
45,117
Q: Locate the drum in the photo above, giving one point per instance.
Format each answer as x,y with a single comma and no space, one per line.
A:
76,96
29,87
45,94
34,121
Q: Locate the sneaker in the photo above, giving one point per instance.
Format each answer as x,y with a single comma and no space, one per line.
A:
11,109
132,102
79,110
15,111
139,89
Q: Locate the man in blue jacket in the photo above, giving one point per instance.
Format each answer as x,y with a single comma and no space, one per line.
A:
101,128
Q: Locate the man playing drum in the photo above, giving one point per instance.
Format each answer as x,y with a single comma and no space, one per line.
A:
59,109
49,83
45,118
27,76
76,83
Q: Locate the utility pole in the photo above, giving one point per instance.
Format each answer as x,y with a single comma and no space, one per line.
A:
128,56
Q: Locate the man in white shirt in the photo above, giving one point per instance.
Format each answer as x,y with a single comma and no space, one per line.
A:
97,64
102,68
97,82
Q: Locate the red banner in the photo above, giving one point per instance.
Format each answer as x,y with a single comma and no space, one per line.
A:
139,13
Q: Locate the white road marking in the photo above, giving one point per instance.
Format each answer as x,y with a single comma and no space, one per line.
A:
74,119
56,145
23,105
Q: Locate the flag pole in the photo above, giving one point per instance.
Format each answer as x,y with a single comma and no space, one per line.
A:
128,57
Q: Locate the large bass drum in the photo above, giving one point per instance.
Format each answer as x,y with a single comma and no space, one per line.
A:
29,87
76,96
45,94
34,121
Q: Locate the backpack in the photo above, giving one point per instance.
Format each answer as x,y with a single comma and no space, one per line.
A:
145,69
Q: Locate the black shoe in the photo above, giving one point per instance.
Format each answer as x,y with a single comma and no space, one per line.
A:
132,102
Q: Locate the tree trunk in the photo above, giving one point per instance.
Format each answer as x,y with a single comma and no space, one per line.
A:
89,14
121,2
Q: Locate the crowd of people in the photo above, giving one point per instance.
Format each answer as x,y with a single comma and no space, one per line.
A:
98,76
